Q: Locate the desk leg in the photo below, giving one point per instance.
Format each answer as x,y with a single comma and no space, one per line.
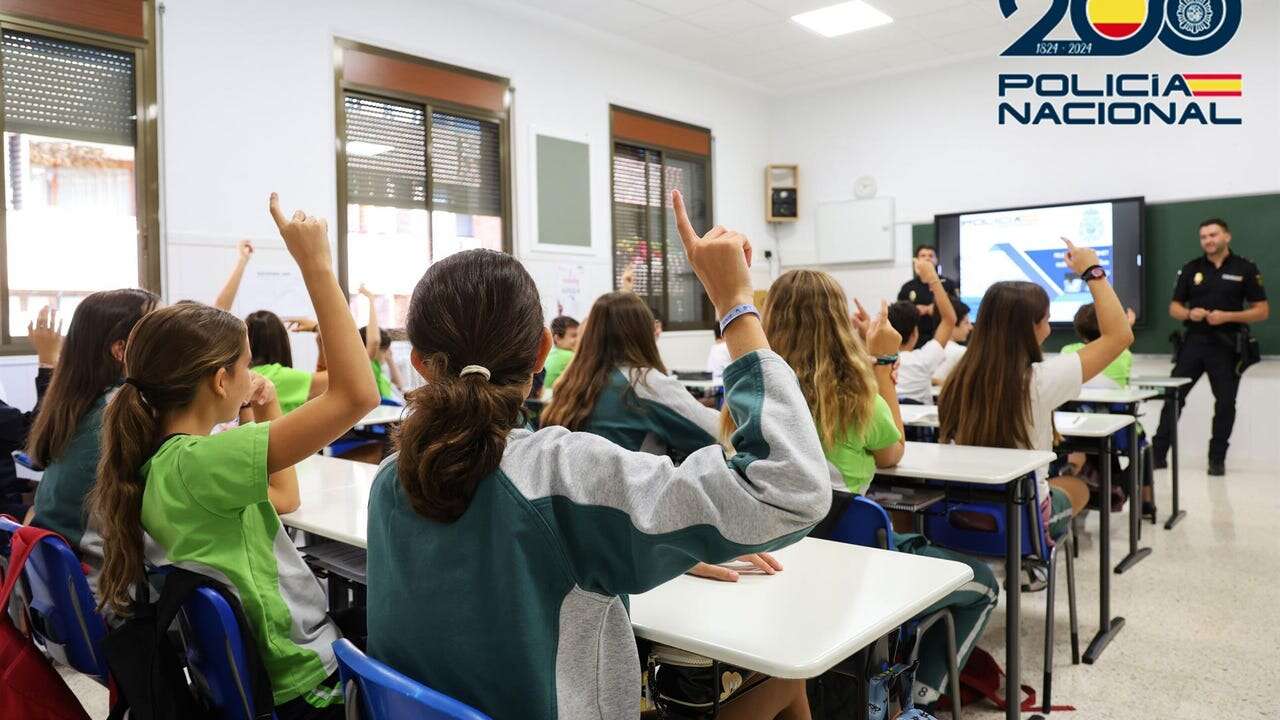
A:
1108,627
1013,592
1136,554
860,699
1172,395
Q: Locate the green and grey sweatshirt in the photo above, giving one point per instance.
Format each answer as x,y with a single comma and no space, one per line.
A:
518,607
654,414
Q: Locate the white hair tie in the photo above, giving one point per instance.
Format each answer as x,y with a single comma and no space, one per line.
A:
475,370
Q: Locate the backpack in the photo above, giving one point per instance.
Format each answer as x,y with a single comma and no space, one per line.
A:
30,687
148,669
983,678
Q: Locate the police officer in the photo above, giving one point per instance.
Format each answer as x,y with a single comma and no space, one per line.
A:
1216,297
917,292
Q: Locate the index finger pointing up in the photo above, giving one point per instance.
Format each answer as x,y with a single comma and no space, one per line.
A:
687,235
274,206
1070,245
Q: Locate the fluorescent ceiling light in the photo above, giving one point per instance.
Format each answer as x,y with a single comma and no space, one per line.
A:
360,148
842,19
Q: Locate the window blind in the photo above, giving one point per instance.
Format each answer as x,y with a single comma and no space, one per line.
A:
386,154
466,165
67,90
637,222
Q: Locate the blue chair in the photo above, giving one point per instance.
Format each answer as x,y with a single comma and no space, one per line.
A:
215,654
60,607
943,529
867,524
384,694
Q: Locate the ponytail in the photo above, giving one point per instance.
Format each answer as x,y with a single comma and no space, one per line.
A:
454,435
130,429
474,308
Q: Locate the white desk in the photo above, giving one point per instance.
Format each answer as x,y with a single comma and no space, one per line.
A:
1172,388
830,601
1070,424
1014,470
382,415
335,499
1120,396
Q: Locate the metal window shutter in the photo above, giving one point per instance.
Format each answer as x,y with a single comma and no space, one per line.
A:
386,157
67,90
466,165
637,221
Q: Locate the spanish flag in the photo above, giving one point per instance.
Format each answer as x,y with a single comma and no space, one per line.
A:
1117,19
1220,85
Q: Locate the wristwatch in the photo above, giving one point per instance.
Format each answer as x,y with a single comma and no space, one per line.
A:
1094,272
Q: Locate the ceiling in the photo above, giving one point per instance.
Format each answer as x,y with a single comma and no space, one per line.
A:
755,40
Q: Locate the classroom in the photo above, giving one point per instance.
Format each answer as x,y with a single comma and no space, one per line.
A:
663,359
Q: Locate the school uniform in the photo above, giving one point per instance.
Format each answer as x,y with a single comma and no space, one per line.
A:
1115,375
1054,381
915,372
853,465
14,427
385,390
519,608
644,410
292,385
955,351
206,507
557,360
717,360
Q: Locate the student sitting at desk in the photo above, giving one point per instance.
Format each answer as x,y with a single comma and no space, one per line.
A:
916,366
957,346
564,335
499,558
211,503
378,345
1003,392
1116,375
15,425
855,407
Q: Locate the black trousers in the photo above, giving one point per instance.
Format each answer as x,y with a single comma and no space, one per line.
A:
1212,356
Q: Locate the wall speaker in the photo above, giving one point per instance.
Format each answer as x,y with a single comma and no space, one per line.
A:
782,184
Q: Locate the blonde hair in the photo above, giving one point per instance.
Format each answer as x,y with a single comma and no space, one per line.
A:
806,318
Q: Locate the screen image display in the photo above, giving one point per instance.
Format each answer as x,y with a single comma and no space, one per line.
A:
981,248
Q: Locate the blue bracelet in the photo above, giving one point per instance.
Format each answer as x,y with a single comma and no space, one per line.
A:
737,312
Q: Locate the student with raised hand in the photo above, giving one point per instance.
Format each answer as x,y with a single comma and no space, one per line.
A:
1003,392
959,342
211,502
917,365
45,334
553,528
227,296
66,436
1086,326
855,407
378,345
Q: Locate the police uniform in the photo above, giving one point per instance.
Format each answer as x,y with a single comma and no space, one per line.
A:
918,293
1209,349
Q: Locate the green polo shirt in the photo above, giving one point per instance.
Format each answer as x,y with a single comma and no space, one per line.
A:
206,505
292,386
384,385
557,360
853,455
1119,370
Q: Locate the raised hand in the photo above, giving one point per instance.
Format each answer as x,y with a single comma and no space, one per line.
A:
882,339
307,237
721,259
45,337
245,248
861,320
1080,259
262,392
925,270
627,283
365,292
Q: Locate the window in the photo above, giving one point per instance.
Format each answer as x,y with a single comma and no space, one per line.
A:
79,166
652,157
421,168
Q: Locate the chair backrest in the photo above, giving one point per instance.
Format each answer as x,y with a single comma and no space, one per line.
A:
215,654
384,694
61,608
864,523
941,530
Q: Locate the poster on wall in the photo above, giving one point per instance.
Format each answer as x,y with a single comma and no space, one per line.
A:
569,291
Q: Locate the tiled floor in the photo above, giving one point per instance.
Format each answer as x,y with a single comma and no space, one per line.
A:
1202,632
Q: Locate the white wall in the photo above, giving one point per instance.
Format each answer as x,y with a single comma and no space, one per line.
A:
249,108
932,140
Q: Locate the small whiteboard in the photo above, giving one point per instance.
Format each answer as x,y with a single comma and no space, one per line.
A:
856,231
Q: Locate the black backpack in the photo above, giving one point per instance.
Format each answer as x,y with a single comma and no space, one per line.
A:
147,664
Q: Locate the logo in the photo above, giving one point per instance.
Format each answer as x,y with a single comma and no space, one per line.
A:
1123,27
912,295
1117,99
1199,278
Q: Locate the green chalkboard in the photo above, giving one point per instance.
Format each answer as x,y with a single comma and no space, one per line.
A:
564,192
1171,231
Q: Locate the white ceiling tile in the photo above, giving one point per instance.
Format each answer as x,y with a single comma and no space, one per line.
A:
951,21
732,16
617,16
680,7
908,8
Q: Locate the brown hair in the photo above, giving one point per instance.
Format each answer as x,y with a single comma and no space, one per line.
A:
268,339
618,333
986,400
806,319
87,367
1086,323
169,353
476,307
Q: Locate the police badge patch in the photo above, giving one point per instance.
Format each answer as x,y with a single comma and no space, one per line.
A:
1199,278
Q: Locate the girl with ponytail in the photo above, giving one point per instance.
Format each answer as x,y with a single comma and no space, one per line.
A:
495,547
209,502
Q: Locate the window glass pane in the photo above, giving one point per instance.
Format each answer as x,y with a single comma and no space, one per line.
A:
684,292
466,184
70,187
637,221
